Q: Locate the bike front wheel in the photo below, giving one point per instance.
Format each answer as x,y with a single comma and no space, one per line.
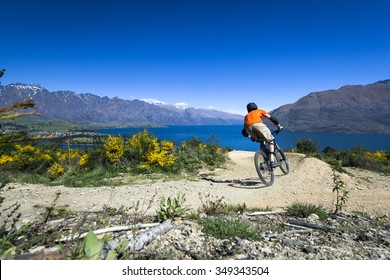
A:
264,168
282,159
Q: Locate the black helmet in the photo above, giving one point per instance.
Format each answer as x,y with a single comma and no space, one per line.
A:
251,106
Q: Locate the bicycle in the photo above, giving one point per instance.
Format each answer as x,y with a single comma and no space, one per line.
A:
264,167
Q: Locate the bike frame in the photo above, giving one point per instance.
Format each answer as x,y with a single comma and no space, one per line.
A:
265,144
265,169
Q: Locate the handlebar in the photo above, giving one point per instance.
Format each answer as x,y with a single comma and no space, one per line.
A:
277,131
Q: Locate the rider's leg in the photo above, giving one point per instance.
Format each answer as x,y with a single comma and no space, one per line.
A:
267,135
261,131
271,149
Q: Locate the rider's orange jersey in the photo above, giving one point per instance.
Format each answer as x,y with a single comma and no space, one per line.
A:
254,116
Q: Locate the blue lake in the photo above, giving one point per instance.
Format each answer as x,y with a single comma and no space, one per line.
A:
230,136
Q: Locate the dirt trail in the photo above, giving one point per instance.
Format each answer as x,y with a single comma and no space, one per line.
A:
309,181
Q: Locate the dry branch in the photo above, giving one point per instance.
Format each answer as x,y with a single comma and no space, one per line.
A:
144,238
11,111
110,229
309,225
265,213
275,235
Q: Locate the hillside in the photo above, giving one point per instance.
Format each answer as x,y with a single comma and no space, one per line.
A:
349,109
87,108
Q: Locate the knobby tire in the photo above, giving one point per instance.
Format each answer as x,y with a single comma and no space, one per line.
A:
264,168
282,159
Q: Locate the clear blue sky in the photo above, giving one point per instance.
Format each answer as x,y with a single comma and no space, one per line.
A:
205,53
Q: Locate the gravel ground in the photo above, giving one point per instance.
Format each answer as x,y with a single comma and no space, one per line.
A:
361,232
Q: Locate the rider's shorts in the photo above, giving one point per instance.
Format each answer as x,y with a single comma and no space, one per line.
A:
260,131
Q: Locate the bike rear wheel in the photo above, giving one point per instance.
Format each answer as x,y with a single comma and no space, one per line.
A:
282,159
264,168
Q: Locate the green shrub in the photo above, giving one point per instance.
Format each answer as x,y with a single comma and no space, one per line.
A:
19,239
171,208
212,206
340,188
9,232
304,210
213,155
93,249
188,155
3,180
236,209
229,228
307,146
359,157
194,154
94,178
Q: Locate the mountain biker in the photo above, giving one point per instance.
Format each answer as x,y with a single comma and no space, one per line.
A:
256,130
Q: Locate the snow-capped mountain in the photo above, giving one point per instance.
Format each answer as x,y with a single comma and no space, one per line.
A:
90,108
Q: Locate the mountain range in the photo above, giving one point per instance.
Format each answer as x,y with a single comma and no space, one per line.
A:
349,109
87,108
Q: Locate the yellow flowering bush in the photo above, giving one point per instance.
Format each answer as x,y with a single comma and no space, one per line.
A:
74,154
140,145
27,149
71,159
83,160
4,159
46,157
380,155
146,150
167,146
40,160
61,156
114,148
70,156
202,146
55,171
141,151
161,157
31,158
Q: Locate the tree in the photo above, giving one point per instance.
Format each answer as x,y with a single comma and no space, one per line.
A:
307,146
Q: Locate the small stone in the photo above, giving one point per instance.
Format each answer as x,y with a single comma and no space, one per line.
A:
241,257
308,249
37,249
289,242
313,218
